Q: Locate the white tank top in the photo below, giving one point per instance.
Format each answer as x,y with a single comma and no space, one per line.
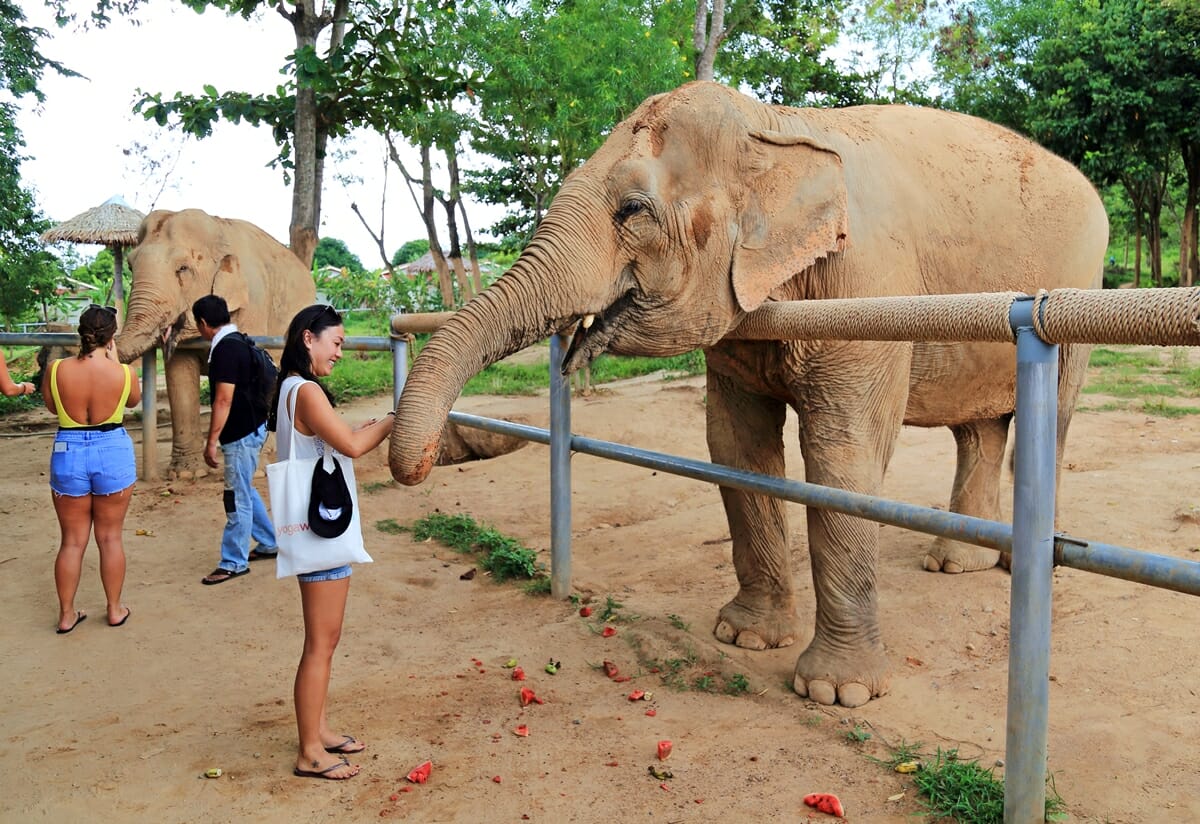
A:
307,446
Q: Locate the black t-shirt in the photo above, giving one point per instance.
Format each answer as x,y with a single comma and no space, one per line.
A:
231,363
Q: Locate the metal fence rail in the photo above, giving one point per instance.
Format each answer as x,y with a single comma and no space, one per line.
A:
149,469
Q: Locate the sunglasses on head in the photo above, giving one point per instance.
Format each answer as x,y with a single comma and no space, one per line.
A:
112,309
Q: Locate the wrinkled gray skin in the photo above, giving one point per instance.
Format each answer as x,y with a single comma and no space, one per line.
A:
182,256
705,203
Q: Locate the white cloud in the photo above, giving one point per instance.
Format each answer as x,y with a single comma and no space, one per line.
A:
81,141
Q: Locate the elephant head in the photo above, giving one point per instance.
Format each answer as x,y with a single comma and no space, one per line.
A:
692,211
180,256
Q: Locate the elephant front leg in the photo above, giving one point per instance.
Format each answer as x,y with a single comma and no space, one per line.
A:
746,431
848,430
976,492
845,663
183,396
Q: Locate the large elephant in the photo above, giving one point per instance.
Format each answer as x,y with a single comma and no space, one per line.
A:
180,257
703,204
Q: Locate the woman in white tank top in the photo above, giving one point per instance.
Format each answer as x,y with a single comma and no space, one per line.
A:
313,346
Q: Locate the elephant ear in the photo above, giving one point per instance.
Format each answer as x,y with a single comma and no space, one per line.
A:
794,213
229,283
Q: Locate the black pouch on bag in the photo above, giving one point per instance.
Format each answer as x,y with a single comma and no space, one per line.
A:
330,505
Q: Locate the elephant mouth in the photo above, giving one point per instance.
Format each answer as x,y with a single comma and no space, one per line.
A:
594,332
170,336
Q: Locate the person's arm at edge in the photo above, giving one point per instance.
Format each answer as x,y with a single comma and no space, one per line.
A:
8,386
314,411
47,395
135,387
222,400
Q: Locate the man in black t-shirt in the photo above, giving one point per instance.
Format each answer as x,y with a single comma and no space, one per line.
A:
239,432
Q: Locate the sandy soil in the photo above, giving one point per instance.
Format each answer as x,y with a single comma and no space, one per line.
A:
121,724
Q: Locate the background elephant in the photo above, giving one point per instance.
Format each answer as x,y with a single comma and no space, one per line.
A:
180,257
705,203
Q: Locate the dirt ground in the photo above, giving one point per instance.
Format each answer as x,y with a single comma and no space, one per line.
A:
121,724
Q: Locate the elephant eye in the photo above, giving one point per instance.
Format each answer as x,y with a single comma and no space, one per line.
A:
630,208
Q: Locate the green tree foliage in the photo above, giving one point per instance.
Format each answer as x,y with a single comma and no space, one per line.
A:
893,36
99,271
1113,86
1117,91
779,51
557,76
353,59
410,251
333,252
28,273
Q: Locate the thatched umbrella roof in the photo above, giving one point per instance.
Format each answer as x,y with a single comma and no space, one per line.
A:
113,223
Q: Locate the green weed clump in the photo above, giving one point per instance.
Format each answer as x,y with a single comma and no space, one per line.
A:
965,792
503,556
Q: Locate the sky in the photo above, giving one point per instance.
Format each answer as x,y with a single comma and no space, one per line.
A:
83,141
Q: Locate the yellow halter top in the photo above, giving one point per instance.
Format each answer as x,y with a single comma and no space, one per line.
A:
66,422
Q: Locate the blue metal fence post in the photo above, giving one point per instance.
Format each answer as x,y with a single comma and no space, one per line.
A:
399,367
1032,572
560,472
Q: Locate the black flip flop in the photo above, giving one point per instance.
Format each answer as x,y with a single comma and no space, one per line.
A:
347,741
220,576
80,617
255,555
325,773
120,623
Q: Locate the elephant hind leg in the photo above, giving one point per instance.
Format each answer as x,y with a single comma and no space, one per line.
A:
976,492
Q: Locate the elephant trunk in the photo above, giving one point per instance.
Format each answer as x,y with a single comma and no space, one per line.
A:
149,317
516,311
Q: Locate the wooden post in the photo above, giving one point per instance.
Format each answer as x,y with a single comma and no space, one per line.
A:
118,254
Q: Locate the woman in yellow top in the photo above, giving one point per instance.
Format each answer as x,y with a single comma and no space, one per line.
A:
10,387
92,467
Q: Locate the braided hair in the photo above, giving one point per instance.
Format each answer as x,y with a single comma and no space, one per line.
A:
97,325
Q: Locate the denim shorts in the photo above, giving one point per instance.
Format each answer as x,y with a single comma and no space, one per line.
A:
335,574
91,462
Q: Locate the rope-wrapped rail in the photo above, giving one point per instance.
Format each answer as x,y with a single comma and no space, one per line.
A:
1164,317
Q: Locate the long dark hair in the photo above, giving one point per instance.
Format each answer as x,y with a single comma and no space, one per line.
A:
295,359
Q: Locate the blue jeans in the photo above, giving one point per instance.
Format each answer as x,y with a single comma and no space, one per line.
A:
246,515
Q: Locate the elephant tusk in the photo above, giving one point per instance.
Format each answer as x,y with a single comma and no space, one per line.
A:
588,320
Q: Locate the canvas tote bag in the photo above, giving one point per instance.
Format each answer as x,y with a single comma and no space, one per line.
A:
290,486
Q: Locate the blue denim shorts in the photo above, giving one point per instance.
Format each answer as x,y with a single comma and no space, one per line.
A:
335,574
91,462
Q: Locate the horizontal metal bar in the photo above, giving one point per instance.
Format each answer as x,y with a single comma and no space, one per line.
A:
354,344
1119,562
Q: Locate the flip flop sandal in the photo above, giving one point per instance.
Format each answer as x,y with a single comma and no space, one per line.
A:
220,576
80,617
255,555
325,773
349,741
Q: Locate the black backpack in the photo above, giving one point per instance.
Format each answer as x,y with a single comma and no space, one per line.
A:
263,374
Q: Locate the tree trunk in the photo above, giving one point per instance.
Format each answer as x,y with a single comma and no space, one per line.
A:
1189,254
708,32
311,135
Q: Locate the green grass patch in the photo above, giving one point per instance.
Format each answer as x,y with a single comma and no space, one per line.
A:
530,378
502,556
1141,379
961,791
390,526
1102,358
